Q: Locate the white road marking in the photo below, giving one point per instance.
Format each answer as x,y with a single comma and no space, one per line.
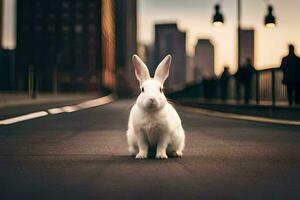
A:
70,108
95,102
65,109
241,117
54,111
23,117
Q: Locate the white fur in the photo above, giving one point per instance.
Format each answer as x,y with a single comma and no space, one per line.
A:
153,122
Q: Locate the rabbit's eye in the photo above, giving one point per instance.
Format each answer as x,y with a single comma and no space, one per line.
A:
160,89
142,89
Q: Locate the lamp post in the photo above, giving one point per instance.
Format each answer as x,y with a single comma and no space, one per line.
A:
270,22
218,20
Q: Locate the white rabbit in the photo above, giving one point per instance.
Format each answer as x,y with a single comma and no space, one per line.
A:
153,123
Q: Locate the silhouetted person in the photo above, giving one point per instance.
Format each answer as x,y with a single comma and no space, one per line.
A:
290,66
244,76
224,83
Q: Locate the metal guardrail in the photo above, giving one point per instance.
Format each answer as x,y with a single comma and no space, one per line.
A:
266,86
271,87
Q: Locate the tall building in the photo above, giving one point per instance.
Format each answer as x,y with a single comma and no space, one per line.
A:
190,76
143,52
108,41
247,45
7,57
126,46
69,43
170,40
1,20
204,60
7,67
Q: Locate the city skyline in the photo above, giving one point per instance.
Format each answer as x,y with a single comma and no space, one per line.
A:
195,18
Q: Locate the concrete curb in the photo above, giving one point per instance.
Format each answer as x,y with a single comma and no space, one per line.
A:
212,113
268,111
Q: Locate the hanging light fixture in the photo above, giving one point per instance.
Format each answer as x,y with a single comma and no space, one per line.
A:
218,19
270,21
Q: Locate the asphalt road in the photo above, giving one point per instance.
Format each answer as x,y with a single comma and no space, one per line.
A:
83,155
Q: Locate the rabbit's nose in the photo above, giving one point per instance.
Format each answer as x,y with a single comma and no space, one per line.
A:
151,99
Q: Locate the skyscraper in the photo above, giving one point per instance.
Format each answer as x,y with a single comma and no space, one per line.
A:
204,60
126,46
247,45
170,40
66,41
1,19
190,72
7,53
108,45
144,53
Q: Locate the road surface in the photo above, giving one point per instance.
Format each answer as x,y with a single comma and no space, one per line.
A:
83,155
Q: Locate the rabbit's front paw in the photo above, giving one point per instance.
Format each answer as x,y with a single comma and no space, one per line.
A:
178,154
141,155
161,156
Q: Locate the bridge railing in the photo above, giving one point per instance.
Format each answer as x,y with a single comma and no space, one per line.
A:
270,85
266,88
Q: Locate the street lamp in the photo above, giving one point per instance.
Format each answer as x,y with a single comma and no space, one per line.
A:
218,19
270,21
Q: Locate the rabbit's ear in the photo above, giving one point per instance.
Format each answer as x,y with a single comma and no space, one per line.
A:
162,70
141,70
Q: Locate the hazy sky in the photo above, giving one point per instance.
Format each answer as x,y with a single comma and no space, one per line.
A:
194,17
8,24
